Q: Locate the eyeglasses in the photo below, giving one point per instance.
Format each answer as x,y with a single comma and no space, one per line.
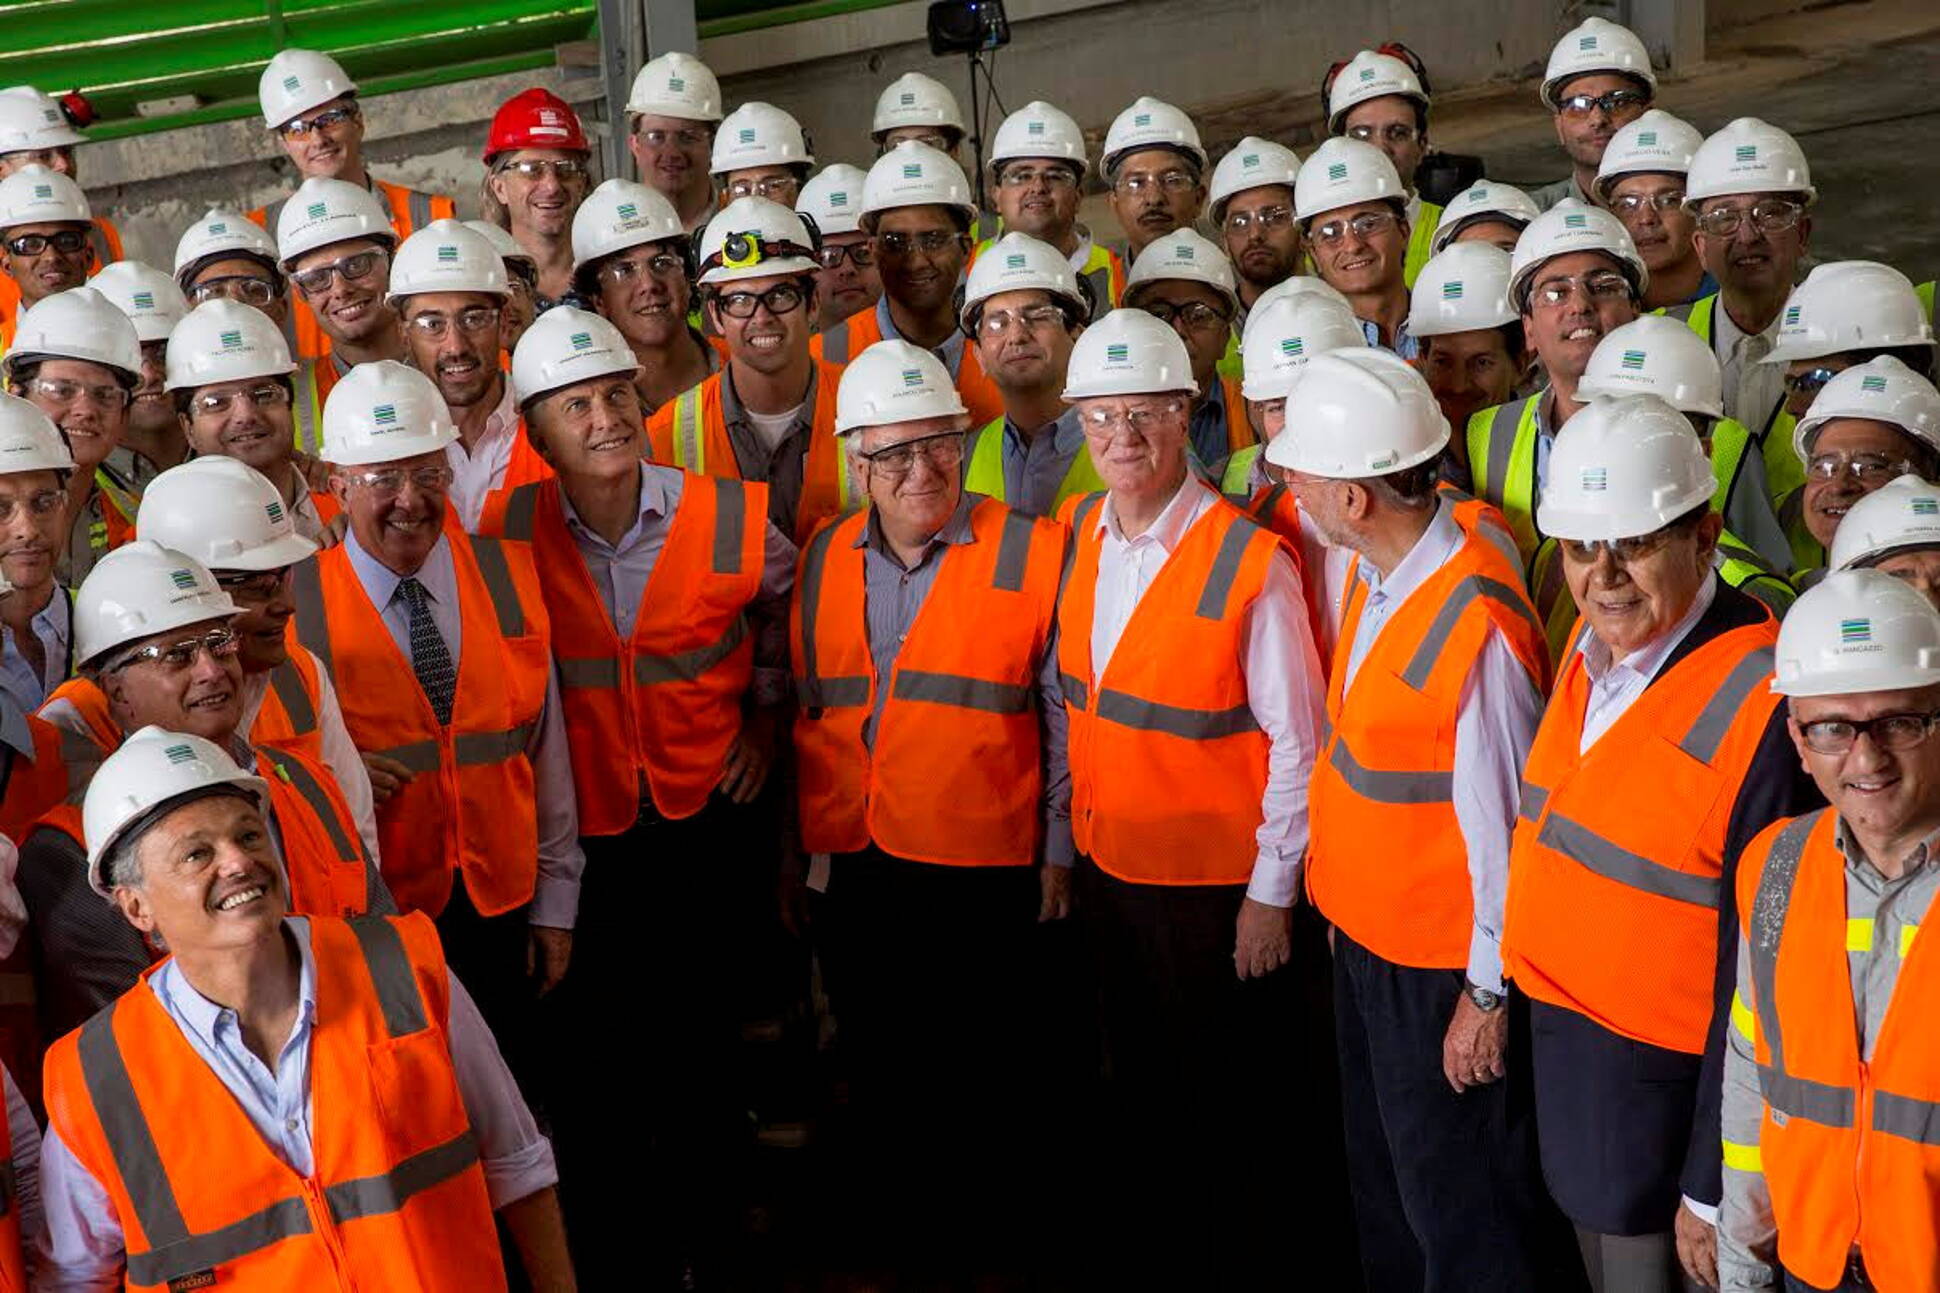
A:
1613,104
566,170
1394,133
45,503
776,188
782,298
56,390
254,585
270,395
940,142
1631,203
177,656
832,254
472,320
67,242
1889,732
51,158
1809,382
1598,285
387,481
1109,424
1266,218
1625,552
1171,182
327,120
1874,469
1196,315
929,242
995,323
943,451
689,139
1363,226
1026,177
1772,215
351,269
245,288
623,271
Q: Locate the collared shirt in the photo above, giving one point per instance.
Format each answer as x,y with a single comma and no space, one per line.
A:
1207,429
82,1246
304,517
783,466
1495,723
1753,389
1281,667
555,899
53,628
1615,687
339,751
1550,194
1404,345
481,469
1318,559
950,352
621,572
1035,465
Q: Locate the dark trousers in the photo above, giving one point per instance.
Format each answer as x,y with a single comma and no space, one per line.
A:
1447,1190
1856,1281
488,955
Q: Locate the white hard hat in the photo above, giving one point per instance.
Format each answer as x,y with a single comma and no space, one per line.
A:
1882,390
32,123
893,381
1621,468
141,589
1850,305
1569,227
29,440
913,99
1484,200
445,256
1341,173
1151,123
1857,631
222,232
507,247
615,216
832,198
1128,352
676,85
1747,156
1018,262
222,512
565,346
1899,516
759,134
324,211
912,174
1655,143
772,240
79,323
1654,354
35,194
1370,75
1183,254
1353,414
1039,130
297,80
1595,45
150,298
1464,288
1292,286
384,411
225,341
1282,335
144,773
1253,163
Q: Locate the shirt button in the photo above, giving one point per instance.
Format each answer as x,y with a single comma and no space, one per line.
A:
290,1125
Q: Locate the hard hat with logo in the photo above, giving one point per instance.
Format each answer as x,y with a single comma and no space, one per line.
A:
1254,163
832,198
79,323
445,256
146,772
1655,143
1850,305
1464,288
755,238
384,411
29,440
893,381
759,134
566,346
617,215
913,99
507,247
1655,354
225,341
1484,200
297,80
676,85
1183,254
1595,45
1621,468
138,590
31,124
1370,75
36,195
1747,156
1881,390
1282,335
1038,130
150,298
535,118
1900,516
323,211
1151,123
1354,414
1296,285
1128,352
912,174
218,235
1570,227
1341,173
1857,631
222,512
1018,262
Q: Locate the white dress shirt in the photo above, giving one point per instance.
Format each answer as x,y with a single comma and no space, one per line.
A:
1752,388
339,751
479,471
1614,688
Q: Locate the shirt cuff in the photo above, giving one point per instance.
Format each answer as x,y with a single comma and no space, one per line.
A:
1275,880
1705,1212
1059,850
772,686
555,901
527,1170
1484,961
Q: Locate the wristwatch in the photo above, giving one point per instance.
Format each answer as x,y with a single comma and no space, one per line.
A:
1481,998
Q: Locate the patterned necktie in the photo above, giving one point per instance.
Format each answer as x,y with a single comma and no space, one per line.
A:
430,656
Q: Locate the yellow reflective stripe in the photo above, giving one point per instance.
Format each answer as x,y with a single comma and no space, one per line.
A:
1743,1158
1906,939
688,441
1743,1019
1859,935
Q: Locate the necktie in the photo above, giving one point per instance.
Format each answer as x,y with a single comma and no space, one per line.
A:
430,656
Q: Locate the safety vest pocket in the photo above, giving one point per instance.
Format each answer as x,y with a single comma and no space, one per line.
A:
414,1082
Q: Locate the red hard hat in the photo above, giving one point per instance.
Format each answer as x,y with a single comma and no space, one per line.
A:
535,118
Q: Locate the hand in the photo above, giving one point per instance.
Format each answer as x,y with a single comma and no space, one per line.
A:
1265,941
387,776
750,756
1473,1046
333,531
1697,1246
315,472
1054,888
547,955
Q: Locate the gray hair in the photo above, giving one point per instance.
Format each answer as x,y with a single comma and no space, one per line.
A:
121,868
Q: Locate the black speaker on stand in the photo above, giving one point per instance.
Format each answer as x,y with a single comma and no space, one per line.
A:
970,27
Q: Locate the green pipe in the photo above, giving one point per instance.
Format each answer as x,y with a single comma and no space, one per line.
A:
780,16
278,36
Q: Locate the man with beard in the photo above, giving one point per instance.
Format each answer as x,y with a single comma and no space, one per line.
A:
44,224
1156,168
1642,180
1598,80
848,281
1380,97
335,244
37,613
630,260
671,113
1353,211
152,441
1037,167
537,173
1252,207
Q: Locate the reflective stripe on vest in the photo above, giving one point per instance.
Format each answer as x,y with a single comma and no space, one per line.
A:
287,683
690,439
468,749
419,206
835,345
814,692
312,623
1508,458
308,408
293,772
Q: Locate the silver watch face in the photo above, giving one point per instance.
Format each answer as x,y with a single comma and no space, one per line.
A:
1483,999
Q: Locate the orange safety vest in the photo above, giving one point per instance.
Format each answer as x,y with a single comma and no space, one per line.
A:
524,467
33,787
1386,860
1239,428
955,774
1847,1145
661,708
287,718
13,1260
106,241
863,329
1613,912
1171,710
470,804
396,1196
